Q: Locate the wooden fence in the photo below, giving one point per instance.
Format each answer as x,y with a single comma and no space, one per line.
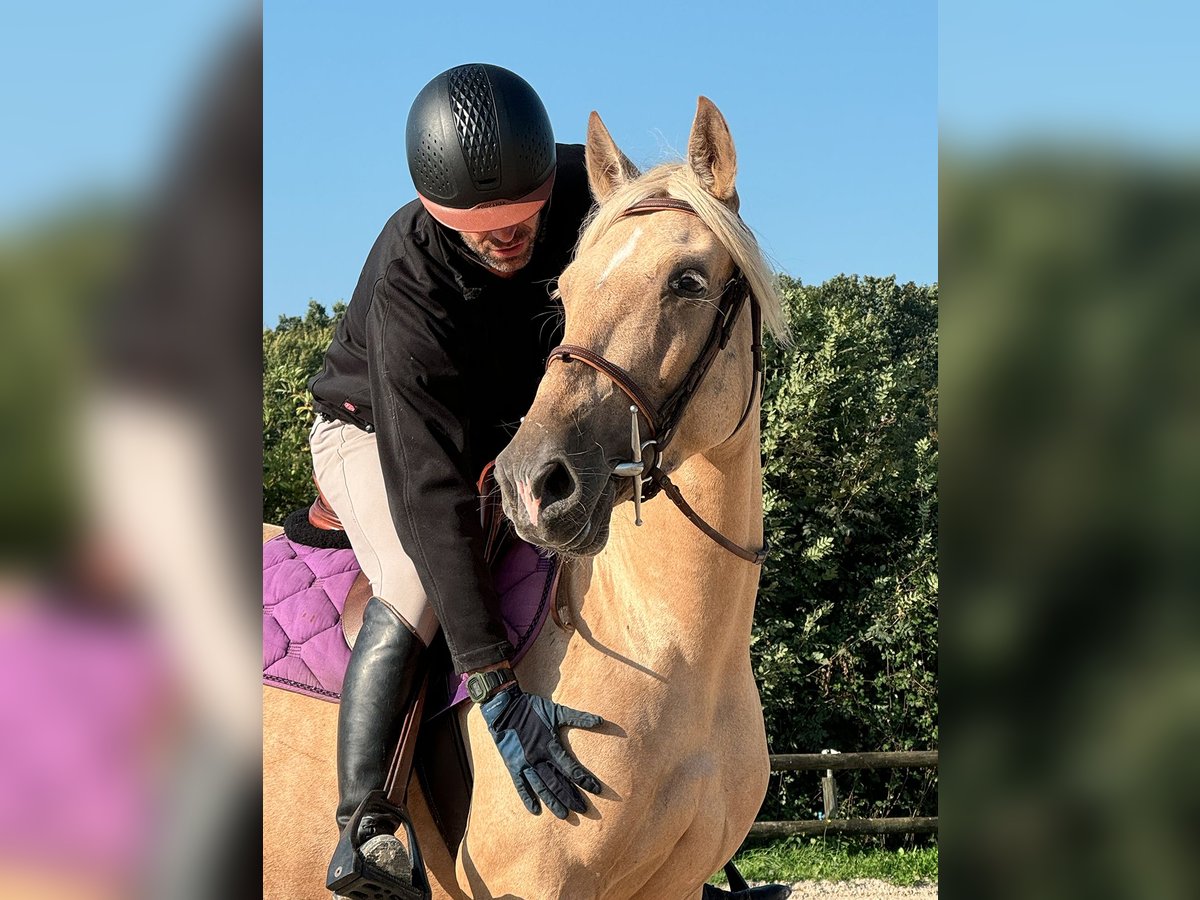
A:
832,761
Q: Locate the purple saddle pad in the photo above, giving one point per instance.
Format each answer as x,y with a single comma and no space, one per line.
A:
304,593
305,590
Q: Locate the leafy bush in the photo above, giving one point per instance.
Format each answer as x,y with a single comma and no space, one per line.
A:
845,643
292,353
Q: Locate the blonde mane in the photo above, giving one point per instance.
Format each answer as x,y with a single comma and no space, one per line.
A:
677,180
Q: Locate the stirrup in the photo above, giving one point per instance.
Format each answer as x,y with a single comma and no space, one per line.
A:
352,875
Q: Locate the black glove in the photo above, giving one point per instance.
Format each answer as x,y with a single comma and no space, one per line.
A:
525,728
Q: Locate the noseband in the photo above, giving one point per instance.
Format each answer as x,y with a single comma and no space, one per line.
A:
649,480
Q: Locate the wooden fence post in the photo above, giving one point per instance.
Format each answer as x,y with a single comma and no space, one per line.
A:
829,789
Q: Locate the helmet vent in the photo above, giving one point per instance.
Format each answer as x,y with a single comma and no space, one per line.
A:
535,150
433,175
475,120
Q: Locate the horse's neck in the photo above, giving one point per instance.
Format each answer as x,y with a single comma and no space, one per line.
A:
670,587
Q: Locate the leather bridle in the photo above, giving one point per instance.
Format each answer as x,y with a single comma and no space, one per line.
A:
661,423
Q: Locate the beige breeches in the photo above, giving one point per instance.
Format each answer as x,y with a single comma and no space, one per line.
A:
346,465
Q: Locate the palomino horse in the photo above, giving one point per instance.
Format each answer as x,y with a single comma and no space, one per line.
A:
653,629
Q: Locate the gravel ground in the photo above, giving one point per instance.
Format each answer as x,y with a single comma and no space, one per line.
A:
860,889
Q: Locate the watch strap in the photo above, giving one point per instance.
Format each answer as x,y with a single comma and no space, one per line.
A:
482,686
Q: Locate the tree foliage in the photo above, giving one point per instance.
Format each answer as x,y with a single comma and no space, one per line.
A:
292,353
845,643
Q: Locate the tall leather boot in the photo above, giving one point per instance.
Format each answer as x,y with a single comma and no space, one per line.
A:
380,683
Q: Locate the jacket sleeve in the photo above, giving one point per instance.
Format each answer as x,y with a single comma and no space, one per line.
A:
420,403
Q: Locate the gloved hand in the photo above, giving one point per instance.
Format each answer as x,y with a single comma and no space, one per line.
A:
525,728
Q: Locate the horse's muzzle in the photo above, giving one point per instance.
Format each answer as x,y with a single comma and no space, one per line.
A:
555,496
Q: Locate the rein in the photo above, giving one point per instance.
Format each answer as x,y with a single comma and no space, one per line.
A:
650,480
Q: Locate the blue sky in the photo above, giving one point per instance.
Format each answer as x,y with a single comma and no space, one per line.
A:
833,108
98,90
1122,75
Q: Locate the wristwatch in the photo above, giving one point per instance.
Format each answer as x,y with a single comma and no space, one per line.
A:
482,685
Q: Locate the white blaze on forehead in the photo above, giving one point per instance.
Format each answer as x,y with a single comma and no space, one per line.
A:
621,255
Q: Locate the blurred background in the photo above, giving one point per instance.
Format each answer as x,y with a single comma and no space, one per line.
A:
1070,262
130,268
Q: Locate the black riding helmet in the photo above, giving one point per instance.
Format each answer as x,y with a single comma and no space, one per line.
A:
480,148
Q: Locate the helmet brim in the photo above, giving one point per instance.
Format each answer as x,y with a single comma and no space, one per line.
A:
494,215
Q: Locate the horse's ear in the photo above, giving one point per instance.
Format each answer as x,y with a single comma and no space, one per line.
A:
607,167
711,153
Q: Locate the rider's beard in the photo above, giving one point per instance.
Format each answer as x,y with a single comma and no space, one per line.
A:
483,247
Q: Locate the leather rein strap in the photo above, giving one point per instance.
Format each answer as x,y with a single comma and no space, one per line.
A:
662,423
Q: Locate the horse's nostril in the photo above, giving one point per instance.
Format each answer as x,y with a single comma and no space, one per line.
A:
557,483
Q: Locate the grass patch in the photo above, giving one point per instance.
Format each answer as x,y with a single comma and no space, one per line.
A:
834,859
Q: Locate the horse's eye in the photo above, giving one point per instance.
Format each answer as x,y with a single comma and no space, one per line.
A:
689,283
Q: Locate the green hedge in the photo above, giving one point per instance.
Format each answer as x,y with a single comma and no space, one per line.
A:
292,353
845,643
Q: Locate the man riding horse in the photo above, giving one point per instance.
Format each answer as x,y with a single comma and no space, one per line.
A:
439,353
437,358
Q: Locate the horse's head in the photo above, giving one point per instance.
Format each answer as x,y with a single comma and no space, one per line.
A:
641,297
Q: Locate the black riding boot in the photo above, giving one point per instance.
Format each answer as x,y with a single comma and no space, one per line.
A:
379,686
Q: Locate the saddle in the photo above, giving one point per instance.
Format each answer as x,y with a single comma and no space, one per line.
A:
314,593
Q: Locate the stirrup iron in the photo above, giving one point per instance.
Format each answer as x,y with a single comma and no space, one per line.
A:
354,876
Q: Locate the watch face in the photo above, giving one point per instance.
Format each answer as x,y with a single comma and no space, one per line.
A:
476,688
482,684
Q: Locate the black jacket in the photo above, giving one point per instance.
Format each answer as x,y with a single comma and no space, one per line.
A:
441,358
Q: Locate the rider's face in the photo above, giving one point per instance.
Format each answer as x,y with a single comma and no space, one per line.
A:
505,250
